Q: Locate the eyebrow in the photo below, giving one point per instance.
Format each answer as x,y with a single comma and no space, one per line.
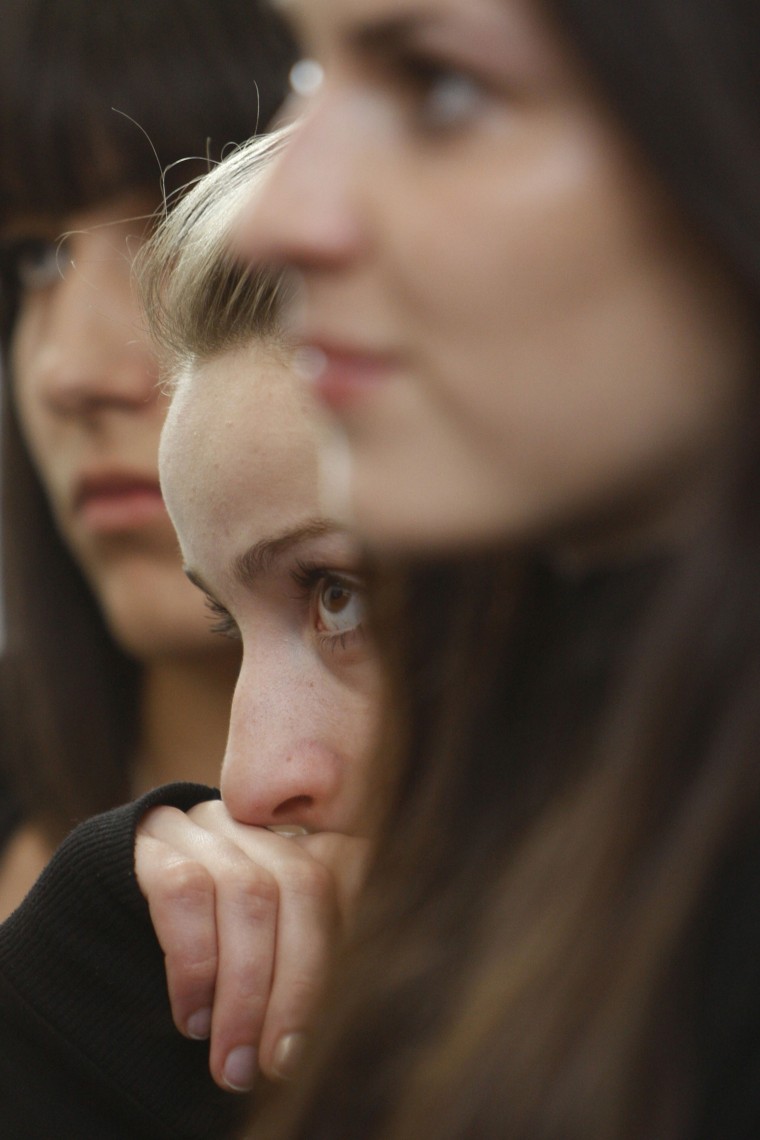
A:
388,34
261,558
374,35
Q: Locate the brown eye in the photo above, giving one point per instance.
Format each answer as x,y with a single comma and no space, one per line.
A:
339,605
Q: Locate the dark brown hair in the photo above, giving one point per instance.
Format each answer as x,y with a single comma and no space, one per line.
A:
96,99
579,760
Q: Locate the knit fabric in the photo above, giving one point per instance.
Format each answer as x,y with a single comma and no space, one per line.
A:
89,1049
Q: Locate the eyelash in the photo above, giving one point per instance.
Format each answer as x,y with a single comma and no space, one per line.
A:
222,621
309,577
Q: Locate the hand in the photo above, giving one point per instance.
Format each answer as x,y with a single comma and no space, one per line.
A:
246,919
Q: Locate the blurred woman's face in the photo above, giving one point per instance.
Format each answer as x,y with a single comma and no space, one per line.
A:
85,385
514,330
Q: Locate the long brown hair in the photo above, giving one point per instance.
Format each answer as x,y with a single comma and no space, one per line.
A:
96,99
579,760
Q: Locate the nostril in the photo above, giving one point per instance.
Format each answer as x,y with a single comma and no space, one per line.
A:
294,804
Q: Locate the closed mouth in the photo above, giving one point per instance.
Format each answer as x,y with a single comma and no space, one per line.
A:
117,502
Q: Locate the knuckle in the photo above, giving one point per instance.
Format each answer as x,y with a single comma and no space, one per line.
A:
304,994
154,819
205,811
254,890
195,972
310,880
253,992
187,883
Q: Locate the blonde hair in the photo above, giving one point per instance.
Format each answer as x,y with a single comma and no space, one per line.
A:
199,297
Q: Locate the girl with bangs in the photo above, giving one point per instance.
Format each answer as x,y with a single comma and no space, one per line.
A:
112,682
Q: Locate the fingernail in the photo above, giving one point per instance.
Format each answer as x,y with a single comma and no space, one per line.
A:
287,1054
199,1025
240,1068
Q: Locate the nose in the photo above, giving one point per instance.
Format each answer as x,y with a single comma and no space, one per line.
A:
305,212
80,344
283,762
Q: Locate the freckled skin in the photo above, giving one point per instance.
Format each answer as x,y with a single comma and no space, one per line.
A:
239,467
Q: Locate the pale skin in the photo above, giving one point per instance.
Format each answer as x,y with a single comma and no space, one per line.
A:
246,915
84,380
517,333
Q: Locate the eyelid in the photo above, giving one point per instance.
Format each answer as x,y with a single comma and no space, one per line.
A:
307,572
310,577
441,92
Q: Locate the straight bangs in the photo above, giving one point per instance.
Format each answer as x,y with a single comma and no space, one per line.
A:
96,99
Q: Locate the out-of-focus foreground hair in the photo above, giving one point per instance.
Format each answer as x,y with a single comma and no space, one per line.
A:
577,774
95,100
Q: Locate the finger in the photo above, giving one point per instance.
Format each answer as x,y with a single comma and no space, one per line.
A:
180,895
307,922
245,918
306,932
317,901
345,856
314,893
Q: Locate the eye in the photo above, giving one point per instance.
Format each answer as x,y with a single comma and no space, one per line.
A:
442,97
37,263
335,604
450,102
339,605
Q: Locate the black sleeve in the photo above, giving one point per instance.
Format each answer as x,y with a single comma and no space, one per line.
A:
728,1035
87,1045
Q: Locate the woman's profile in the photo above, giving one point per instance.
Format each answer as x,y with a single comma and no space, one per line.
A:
111,679
169,956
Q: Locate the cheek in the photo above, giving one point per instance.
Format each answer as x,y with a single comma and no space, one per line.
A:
490,269
564,339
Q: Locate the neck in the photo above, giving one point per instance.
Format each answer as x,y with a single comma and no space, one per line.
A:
185,711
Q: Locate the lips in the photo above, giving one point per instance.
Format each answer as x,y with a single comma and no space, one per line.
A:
117,502
342,376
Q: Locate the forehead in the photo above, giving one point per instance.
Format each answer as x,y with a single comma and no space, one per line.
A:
360,11
515,35
239,452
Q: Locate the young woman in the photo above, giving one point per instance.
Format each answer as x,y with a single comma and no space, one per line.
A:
526,240
111,680
246,894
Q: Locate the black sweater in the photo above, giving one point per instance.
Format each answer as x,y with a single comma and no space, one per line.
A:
88,1047
88,1050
